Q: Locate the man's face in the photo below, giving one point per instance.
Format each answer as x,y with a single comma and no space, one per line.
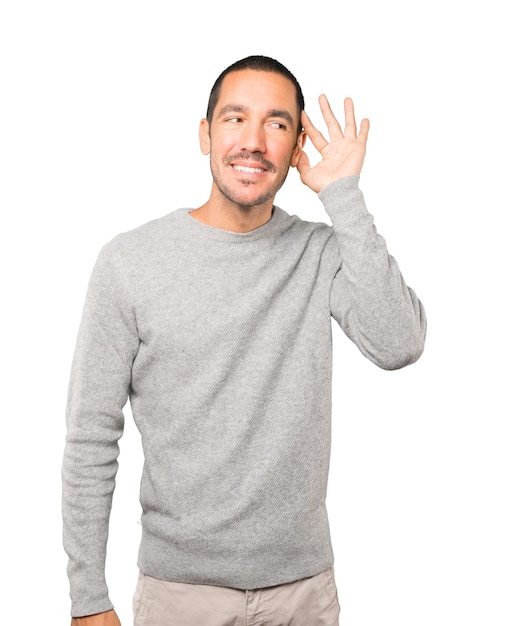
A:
253,137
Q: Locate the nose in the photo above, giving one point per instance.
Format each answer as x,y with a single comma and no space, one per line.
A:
253,138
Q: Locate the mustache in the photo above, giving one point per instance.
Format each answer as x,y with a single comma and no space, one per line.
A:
256,157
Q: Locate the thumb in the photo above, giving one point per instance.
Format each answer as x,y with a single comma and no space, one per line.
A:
303,165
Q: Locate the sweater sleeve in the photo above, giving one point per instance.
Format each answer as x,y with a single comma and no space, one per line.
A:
369,297
98,391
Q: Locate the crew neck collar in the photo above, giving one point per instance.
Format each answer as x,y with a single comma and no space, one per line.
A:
210,232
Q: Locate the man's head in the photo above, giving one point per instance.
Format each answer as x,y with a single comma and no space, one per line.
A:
259,64
252,131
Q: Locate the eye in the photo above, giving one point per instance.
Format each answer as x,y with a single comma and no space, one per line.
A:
278,125
234,120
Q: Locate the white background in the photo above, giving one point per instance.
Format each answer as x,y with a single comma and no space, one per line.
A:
100,104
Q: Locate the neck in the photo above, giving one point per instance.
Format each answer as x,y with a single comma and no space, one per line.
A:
219,212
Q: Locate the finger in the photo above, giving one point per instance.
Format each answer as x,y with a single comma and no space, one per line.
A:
363,131
334,129
350,120
316,137
303,164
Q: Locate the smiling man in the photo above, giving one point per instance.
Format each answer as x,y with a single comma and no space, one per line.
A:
215,323
251,144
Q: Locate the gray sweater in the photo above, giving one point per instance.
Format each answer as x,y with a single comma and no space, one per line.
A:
222,343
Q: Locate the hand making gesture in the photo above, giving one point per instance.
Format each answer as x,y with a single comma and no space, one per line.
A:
342,156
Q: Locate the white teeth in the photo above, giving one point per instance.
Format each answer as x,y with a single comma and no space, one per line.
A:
248,170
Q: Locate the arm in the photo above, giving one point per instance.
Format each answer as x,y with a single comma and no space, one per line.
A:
99,386
369,297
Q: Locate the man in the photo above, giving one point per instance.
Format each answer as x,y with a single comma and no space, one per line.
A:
216,323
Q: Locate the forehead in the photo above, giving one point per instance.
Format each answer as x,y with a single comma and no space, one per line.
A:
258,90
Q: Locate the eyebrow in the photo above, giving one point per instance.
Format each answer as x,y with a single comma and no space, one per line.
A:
239,108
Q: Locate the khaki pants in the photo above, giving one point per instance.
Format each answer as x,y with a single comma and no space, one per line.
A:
308,602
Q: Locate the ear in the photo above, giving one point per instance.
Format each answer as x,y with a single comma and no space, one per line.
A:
298,148
205,139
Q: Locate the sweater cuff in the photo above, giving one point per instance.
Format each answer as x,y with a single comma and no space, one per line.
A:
90,606
344,203
331,191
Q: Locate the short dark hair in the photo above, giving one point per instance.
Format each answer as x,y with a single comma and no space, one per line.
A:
259,64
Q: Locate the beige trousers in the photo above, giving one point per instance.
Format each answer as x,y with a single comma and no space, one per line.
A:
308,602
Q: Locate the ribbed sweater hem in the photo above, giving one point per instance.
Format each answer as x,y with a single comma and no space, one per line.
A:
242,571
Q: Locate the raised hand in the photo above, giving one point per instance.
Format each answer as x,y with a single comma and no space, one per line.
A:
342,155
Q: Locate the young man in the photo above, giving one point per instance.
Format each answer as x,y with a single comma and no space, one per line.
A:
216,324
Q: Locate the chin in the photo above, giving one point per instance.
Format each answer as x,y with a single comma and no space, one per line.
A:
248,201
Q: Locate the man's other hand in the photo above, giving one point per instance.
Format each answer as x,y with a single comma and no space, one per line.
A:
109,618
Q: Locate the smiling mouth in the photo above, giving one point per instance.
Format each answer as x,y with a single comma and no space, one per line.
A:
248,170
249,163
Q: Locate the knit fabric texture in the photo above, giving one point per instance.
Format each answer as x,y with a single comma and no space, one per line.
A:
222,343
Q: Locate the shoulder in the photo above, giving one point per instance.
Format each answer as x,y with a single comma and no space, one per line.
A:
317,238
146,239
299,227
